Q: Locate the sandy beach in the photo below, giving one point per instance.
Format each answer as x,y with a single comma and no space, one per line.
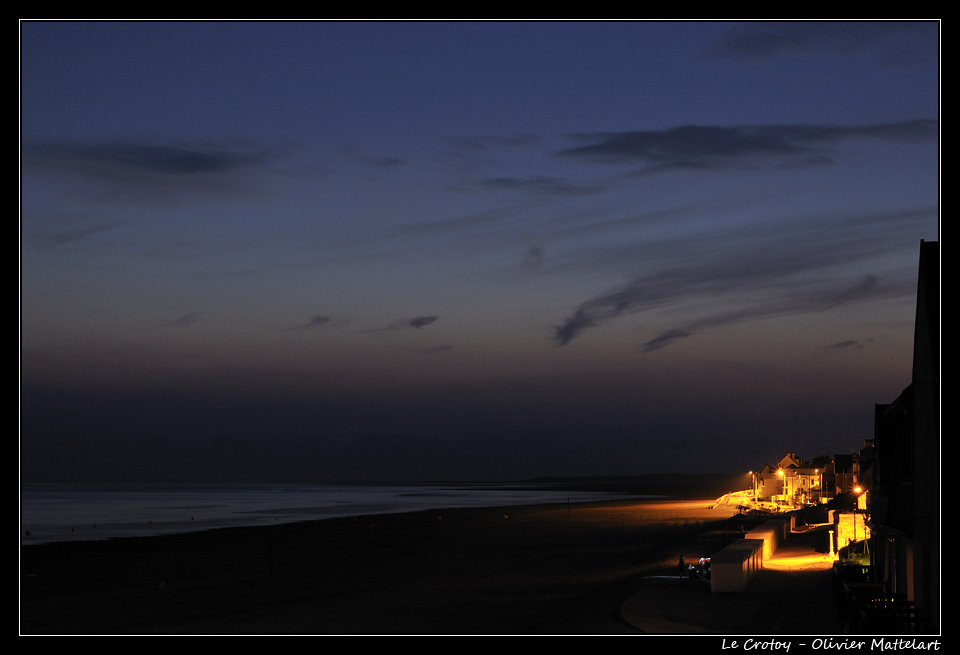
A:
548,569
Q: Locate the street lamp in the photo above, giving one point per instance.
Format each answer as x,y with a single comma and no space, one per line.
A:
783,486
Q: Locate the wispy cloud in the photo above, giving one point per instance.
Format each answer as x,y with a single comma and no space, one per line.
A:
417,323
482,143
125,160
184,321
579,321
851,344
150,173
320,322
704,147
533,259
354,152
797,266
434,350
664,340
763,40
780,298
421,322
551,186
53,238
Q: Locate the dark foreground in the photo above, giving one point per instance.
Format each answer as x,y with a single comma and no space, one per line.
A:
553,569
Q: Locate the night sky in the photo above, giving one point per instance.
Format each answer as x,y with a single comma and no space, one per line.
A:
326,252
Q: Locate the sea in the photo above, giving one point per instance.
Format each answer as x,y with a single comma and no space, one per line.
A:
61,512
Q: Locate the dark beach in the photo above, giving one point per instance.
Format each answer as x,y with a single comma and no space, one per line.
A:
548,569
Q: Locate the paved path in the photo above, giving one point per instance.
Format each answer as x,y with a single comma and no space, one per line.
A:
792,595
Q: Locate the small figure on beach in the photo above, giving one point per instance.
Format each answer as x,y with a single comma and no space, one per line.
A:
682,566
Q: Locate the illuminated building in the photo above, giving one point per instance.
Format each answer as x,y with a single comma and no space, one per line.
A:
790,483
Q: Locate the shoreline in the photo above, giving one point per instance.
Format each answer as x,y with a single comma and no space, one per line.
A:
64,512
534,569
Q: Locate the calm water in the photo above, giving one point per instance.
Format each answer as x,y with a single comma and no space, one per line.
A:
83,512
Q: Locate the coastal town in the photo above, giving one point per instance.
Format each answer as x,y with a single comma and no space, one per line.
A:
482,327
876,510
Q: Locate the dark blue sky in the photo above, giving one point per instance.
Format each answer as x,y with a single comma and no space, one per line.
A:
398,251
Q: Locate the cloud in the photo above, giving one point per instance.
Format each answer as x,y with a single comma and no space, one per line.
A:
846,345
319,322
354,152
705,147
574,325
147,173
384,161
481,143
551,186
533,258
820,297
417,322
184,321
125,160
421,322
62,237
862,288
664,340
434,350
798,266
766,40
801,298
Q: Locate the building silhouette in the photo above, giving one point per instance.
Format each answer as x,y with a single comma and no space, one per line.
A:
904,502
